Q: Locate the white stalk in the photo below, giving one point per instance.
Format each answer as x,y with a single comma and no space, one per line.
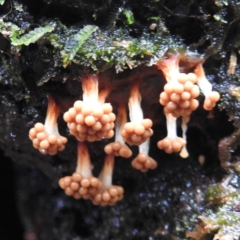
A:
184,153
171,126
83,161
170,68
144,147
51,126
90,90
135,110
203,83
106,174
119,124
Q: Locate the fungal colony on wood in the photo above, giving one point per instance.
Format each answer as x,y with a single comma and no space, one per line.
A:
91,119
46,138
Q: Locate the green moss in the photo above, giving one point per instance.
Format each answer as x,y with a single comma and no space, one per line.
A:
129,15
88,47
226,219
218,192
75,42
30,37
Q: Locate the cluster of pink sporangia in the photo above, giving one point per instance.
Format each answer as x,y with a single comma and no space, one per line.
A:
179,100
82,184
46,138
91,119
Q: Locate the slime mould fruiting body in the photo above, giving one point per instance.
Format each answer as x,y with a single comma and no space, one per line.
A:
107,91
92,119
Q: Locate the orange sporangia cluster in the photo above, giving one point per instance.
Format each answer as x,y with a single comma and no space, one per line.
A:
179,100
171,143
46,138
137,133
90,119
211,97
109,194
81,184
142,161
180,92
118,147
139,129
78,186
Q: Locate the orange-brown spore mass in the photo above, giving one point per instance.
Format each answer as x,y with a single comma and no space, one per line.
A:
44,142
170,145
88,123
109,193
79,187
109,196
46,138
211,97
210,100
143,162
136,134
178,97
118,149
